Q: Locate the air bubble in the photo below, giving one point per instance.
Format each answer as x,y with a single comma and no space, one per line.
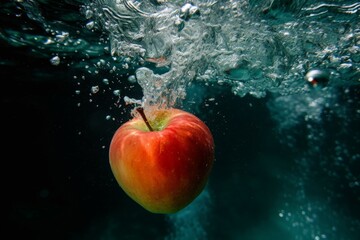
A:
106,81
132,79
125,66
90,25
95,89
116,92
317,77
48,41
55,61
101,62
89,14
62,37
128,100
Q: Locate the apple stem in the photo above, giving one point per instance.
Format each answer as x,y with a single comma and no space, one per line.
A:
141,111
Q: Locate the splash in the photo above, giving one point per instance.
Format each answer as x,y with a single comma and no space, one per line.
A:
256,48
244,44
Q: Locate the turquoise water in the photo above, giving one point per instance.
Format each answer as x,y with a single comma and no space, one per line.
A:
287,138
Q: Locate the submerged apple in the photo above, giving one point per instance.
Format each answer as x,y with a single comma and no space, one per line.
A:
162,163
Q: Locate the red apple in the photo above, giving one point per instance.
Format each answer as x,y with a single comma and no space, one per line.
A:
162,163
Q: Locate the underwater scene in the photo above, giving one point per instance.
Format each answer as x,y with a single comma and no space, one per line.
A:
275,82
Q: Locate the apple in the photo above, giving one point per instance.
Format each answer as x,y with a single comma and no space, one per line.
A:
162,162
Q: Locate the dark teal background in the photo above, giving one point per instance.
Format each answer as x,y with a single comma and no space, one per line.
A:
267,183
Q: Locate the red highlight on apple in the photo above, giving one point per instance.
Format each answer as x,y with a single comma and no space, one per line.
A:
162,159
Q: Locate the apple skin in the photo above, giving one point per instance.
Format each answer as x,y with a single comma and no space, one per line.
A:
166,169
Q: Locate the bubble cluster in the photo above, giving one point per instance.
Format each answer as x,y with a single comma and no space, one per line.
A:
204,41
318,128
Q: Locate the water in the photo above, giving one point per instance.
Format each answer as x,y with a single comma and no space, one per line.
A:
277,82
